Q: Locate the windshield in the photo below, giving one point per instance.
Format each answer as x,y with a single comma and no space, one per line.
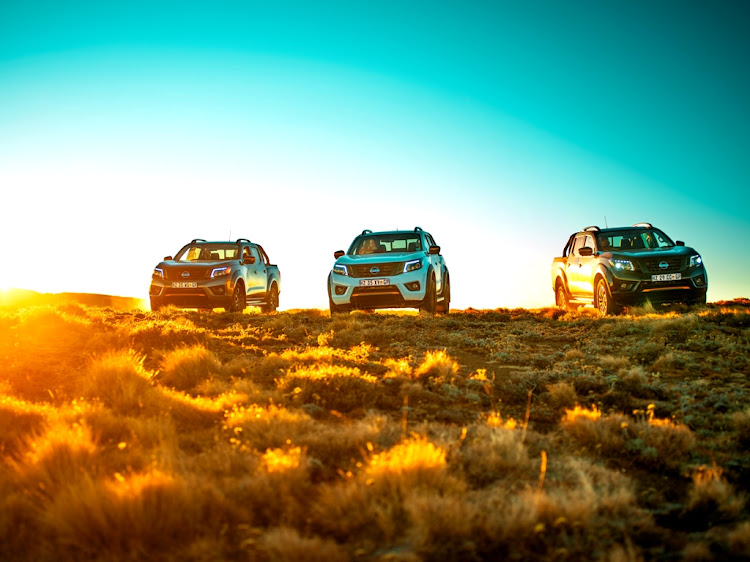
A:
386,243
633,239
208,252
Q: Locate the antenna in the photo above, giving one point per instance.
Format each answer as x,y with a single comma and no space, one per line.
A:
230,234
605,222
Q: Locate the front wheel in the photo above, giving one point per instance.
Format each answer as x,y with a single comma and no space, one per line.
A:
561,299
444,306
273,300
429,304
238,298
603,298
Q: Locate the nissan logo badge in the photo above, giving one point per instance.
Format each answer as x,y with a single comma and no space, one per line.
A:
186,274
663,265
374,270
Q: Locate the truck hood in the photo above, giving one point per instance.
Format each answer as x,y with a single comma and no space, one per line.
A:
380,258
195,264
651,253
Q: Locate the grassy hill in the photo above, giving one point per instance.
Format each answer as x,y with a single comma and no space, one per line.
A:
482,435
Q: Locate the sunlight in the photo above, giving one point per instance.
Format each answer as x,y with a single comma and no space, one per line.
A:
281,460
583,413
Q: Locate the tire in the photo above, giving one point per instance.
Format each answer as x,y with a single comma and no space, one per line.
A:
156,306
444,306
429,304
561,299
603,298
335,308
273,300
238,298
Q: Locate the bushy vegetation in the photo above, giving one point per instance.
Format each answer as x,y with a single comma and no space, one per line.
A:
481,435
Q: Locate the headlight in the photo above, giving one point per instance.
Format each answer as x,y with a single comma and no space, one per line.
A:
158,273
340,269
695,261
220,271
412,265
623,265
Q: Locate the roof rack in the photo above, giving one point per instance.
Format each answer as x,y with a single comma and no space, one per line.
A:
417,229
643,224
366,231
592,229
194,240
243,240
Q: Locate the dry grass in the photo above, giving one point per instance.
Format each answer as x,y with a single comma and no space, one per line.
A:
482,435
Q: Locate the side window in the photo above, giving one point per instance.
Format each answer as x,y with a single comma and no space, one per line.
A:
577,245
589,241
253,252
430,240
264,255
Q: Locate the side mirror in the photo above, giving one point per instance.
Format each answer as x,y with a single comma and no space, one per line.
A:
586,252
338,253
249,260
434,250
680,243
167,258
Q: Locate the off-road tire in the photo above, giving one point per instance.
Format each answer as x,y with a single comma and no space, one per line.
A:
273,300
239,302
561,299
444,306
429,304
603,298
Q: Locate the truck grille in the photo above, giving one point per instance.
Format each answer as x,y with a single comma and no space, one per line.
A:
652,266
175,273
384,269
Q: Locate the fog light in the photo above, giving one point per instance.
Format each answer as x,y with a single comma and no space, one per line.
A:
625,286
700,280
339,289
155,290
413,286
219,290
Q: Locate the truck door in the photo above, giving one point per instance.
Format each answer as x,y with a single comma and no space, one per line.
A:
586,266
571,266
256,274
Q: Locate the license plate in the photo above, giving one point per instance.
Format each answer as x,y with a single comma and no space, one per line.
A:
184,284
374,282
667,277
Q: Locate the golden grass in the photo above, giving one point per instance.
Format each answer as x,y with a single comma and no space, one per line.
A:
481,435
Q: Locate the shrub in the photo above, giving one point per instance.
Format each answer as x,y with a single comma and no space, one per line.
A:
186,367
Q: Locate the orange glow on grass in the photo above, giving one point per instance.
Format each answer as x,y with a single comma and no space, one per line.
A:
411,454
282,460
582,413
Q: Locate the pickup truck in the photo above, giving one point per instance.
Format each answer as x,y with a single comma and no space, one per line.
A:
390,269
616,267
208,275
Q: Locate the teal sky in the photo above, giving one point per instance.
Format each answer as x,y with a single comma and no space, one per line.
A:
128,128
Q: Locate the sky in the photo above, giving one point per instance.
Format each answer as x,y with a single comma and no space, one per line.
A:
129,128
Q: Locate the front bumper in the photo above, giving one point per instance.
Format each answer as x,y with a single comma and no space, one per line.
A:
406,290
633,288
213,293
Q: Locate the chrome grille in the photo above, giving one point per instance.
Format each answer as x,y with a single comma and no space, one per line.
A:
384,269
175,273
652,266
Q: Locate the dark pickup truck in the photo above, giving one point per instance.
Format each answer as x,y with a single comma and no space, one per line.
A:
615,267
207,275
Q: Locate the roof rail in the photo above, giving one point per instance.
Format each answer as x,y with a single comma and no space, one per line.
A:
417,229
592,229
643,224
367,231
194,240
243,240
